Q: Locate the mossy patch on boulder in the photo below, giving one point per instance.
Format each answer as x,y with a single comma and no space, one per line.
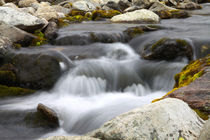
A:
100,14
7,77
191,72
167,14
167,49
40,38
192,90
6,91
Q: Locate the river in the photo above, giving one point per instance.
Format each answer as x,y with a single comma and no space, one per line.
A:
99,88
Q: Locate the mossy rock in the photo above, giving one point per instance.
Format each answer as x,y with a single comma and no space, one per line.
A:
100,14
6,91
191,72
7,78
167,14
75,12
192,91
167,49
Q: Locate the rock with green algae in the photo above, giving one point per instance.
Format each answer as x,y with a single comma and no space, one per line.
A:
192,86
6,91
100,14
167,49
133,32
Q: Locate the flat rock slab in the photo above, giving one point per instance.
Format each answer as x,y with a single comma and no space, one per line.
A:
20,19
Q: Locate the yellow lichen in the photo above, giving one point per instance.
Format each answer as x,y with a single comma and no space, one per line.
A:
98,14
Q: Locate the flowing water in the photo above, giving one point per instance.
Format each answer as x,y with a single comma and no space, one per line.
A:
97,89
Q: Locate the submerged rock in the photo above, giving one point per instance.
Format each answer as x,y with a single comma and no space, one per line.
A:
70,138
166,119
167,49
139,16
44,117
36,71
21,20
49,113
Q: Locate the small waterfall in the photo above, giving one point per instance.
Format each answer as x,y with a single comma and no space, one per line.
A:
94,91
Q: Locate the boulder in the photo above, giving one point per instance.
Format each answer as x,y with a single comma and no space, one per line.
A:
21,20
61,9
16,35
70,138
26,3
11,5
167,49
166,12
29,10
143,3
166,119
2,2
139,16
192,86
51,31
36,71
205,133
5,45
188,6
44,10
84,5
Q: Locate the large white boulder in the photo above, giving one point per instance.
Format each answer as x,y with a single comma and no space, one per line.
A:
20,19
142,15
167,119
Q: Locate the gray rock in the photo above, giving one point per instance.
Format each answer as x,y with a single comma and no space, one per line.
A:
70,138
37,70
142,16
16,35
26,3
205,133
164,120
21,20
143,3
84,5
51,31
5,44
2,2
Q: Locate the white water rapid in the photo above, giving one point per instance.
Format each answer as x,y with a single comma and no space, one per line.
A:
96,90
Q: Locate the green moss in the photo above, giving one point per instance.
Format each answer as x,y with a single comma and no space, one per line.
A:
6,91
98,14
17,45
7,77
201,114
40,39
158,43
75,12
68,5
191,72
134,31
181,42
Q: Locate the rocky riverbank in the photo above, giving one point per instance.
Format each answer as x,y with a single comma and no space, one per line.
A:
41,40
